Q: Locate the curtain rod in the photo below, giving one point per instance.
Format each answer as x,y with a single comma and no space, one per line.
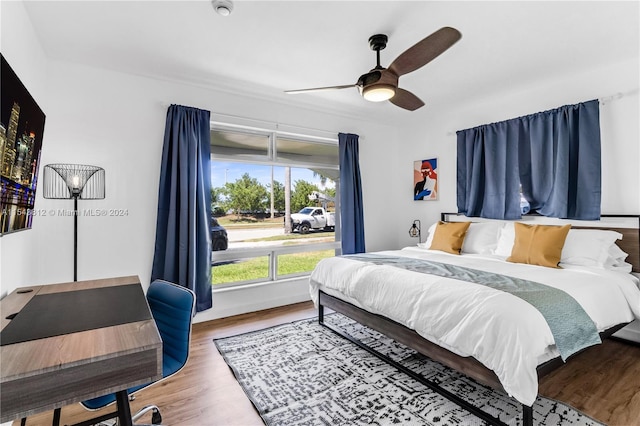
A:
268,124
607,99
603,101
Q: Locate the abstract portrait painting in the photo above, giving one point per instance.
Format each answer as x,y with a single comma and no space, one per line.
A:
425,179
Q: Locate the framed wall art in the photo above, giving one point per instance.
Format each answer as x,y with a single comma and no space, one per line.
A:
21,129
425,179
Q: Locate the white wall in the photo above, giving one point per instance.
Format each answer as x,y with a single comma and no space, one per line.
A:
116,121
434,136
22,50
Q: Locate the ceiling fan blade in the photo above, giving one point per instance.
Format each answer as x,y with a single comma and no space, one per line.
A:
407,100
425,51
318,89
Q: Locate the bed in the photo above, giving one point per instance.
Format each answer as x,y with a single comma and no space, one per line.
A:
456,309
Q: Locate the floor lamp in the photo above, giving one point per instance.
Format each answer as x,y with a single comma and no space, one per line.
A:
73,181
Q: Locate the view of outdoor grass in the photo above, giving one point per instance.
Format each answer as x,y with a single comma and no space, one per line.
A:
243,270
256,268
301,262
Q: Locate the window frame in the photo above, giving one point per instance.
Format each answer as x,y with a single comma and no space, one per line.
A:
272,253
271,159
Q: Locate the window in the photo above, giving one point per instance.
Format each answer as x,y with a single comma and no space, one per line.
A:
274,195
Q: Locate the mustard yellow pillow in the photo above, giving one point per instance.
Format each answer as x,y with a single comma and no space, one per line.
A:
538,244
449,236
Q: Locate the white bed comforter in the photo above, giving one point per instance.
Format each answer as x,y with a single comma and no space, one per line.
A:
503,332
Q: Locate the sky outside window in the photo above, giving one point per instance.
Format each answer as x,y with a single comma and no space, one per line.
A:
222,172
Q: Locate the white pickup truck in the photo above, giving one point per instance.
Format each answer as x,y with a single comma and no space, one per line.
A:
312,218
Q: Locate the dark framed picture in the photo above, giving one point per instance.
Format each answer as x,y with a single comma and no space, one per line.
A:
21,130
425,179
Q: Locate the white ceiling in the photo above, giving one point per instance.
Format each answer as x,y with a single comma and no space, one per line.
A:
267,47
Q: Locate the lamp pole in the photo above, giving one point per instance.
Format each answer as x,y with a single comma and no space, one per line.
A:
75,193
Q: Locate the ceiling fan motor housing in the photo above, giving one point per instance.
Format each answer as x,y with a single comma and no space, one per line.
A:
387,82
377,77
378,42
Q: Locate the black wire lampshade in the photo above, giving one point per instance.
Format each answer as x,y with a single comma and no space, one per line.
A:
66,181
73,181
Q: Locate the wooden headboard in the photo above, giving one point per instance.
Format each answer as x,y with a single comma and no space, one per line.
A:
627,225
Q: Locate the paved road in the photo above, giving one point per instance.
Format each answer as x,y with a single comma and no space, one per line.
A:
237,237
249,234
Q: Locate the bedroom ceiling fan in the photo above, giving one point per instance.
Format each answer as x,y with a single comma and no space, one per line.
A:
381,84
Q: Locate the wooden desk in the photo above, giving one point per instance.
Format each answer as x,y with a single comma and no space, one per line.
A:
51,372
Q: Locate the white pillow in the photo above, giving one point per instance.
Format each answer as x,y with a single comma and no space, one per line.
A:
616,253
430,232
506,238
588,247
615,260
481,237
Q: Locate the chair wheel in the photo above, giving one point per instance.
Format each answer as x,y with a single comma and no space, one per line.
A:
156,418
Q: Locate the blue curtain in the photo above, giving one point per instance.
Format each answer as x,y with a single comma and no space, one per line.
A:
351,207
487,181
183,241
554,155
559,161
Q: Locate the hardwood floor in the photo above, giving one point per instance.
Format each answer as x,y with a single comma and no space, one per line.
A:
603,382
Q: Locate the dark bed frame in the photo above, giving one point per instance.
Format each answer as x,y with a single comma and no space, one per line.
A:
466,365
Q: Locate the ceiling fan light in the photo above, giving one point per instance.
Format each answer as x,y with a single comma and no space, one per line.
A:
379,92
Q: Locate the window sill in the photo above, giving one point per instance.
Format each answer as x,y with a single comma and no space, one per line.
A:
304,277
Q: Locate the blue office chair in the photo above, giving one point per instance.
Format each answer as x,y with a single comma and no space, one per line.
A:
173,308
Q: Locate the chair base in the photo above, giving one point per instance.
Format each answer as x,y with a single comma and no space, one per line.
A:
156,418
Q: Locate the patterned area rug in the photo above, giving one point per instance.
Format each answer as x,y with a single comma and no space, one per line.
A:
304,374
